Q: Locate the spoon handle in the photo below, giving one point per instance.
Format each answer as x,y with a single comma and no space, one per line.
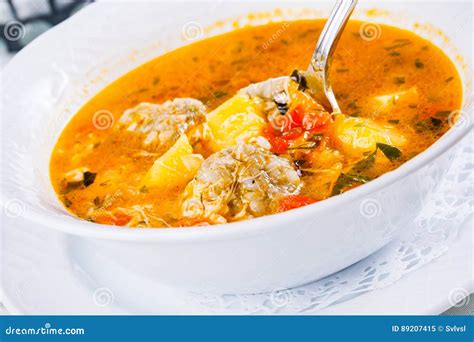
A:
321,59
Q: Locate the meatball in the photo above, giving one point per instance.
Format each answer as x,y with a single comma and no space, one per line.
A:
158,126
268,89
239,182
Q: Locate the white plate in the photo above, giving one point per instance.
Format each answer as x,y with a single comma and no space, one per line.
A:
43,273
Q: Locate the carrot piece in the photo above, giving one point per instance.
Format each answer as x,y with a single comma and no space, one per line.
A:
293,202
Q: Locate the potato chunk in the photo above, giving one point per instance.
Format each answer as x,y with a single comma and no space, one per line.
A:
237,120
175,168
387,104
356,136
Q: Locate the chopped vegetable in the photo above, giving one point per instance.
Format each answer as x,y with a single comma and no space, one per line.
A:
238,119
398,44
118,218
89,178
175,168
356,176
356,136
293,202
430,123
419,64
399,80
296,123
346,182
300,79
361,166
77,178
391,152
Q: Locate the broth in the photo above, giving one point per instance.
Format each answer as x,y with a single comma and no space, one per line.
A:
398,79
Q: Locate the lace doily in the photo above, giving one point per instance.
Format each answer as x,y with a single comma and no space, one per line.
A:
431,234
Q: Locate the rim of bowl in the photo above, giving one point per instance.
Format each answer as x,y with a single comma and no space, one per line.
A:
246,228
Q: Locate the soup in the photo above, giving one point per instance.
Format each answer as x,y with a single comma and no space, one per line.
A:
226,129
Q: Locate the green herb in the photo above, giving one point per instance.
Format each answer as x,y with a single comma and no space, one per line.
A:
218,94
299,163
239,61
67,202
89,178
342,96
395,122
436,122
144,189
391,152
344,181
363,165
353,105
394,53
342,70
430,123
156,80
284,42
449,79
399,80
355,114
71,186
398,45
419,64
355,175
316,137
300,79
98,202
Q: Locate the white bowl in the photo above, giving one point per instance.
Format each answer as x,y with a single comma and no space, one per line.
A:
46,83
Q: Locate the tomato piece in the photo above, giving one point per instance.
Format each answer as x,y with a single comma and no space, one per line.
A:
293,133
270,132
293,202
297,115
122,219
279,145
296,123
118,219
319,129
315,121
105,220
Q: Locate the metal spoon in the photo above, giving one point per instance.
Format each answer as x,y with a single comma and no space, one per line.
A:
317,74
